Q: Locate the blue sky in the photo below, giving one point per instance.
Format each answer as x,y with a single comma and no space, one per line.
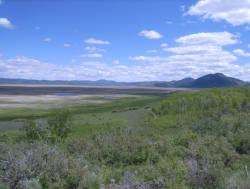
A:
125,40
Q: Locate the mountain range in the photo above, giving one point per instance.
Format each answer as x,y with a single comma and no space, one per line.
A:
207,81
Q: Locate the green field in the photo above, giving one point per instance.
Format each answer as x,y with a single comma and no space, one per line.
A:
128,110
178,140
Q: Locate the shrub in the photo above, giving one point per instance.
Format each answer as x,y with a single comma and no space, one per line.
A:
59,124
33,130
23,165
118,147
57,128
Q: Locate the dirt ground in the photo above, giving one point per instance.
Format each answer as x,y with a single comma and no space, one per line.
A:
24,101
81,90
45,96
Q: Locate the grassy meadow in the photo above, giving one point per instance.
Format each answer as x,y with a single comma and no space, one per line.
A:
181,140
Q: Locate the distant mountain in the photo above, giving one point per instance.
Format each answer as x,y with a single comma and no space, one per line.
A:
207,81
73,82
213,80
184,81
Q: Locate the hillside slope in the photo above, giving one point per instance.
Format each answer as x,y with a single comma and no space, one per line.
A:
214,80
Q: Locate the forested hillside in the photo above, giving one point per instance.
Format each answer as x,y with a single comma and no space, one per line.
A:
209,133
188,140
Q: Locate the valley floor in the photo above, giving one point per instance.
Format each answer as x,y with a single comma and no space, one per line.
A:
174,140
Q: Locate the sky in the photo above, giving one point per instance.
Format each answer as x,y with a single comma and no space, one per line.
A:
124,40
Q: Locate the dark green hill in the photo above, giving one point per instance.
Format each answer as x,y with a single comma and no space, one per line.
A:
214,80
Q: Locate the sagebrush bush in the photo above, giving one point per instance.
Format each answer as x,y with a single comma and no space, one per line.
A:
56,129
120,147
24,164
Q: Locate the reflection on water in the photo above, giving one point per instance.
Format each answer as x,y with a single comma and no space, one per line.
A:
111,98
61,94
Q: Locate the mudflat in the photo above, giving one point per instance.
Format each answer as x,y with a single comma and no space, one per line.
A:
81,90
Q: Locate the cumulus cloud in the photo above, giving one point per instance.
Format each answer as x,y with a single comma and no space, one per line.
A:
47,39
204,47
197,54
171,69
116,62
4,22
94,49
241,52
164,45
94,55
25,67
67,45
1,55
247,28
97,42
183,8
93,63
233,11
193,49
150,34
213,38
148,58
169,22
193,56
152,51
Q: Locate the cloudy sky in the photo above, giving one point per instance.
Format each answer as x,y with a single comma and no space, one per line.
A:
124,40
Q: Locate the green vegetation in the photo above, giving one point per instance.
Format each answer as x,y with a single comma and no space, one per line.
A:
57,130
181,141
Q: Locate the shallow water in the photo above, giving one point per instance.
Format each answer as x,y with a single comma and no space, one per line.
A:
61,94
111,98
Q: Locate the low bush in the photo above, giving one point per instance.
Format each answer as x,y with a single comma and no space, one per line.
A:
56,129
119,147
40,166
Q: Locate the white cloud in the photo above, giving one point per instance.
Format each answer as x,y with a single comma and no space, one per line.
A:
169,22
235,12
94,55
202,47
4,22
37,28
150,34
1,2
172,68
214,38
152,51
94,63
241,52
97,42
183,8
1,55
248,45
194,55
116,62
193,49
94,49
148,58
247,28
47,39
67,45
164,45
